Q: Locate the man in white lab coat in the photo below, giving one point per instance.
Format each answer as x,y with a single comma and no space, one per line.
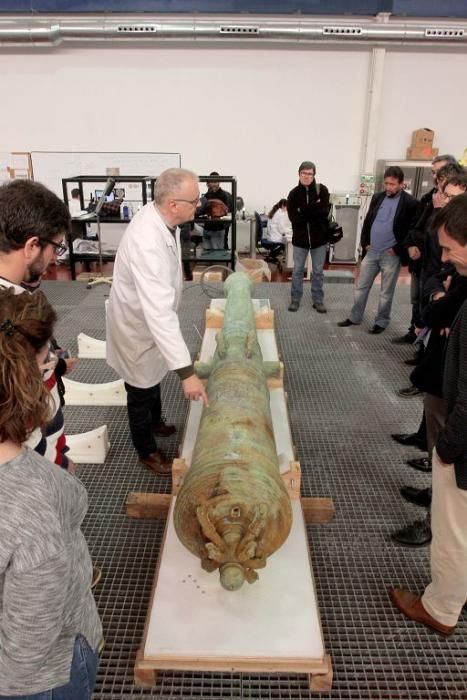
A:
144,340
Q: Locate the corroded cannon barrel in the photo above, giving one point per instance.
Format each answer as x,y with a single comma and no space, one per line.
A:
233,510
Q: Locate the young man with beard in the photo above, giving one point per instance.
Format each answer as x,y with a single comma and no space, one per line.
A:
33,223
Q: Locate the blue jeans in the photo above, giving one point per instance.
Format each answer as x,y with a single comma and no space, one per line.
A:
372,264
318,258
82,677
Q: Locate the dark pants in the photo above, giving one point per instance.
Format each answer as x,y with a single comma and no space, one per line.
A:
422,431
144,413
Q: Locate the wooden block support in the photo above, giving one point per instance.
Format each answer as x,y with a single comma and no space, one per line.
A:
292,480
148,506
264,319
179,469
276,382
322,682
317,510
214,318
144,677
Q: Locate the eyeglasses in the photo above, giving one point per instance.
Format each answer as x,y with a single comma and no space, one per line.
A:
307,173
193,202
59,248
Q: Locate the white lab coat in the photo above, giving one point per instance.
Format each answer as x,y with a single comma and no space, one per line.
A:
144,339
279,227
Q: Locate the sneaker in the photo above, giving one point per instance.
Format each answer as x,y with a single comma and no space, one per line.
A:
294,305
417,534
320,308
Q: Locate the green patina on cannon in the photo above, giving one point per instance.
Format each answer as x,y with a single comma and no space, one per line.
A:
233,510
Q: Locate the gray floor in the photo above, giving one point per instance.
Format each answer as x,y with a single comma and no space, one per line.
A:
341,385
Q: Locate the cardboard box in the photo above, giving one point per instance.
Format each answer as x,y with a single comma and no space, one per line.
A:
422,153
422,137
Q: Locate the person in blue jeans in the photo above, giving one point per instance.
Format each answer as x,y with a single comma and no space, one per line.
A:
308,209
50,630
385,227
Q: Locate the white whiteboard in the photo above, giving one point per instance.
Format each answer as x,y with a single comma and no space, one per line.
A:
49,167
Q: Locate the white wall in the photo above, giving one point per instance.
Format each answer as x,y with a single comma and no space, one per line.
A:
253,113
423,90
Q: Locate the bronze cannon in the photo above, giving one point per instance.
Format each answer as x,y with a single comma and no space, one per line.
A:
233,510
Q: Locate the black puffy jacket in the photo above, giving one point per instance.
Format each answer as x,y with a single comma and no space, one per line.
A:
308,209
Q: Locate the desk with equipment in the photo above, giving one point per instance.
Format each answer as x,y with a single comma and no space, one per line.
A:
137,191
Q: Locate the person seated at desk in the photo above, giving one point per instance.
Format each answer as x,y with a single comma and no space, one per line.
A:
216,204
278,229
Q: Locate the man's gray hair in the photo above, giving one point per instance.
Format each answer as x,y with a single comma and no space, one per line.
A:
447,157
169,183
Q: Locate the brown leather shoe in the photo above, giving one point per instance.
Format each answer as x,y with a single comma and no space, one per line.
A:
411,606
157,463
164,429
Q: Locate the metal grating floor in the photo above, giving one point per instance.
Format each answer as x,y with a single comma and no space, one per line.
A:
341,386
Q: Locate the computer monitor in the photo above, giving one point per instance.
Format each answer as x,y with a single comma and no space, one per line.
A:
110,197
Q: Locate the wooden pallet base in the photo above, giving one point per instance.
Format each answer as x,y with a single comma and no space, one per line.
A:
194,639
319,679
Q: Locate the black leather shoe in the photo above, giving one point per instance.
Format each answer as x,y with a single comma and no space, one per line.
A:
347,322
421,465
417,534
408,338
376,330
410,439
408,391
419,497
413,362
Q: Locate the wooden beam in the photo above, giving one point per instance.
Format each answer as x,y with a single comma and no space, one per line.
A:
148,506
155,506
317,510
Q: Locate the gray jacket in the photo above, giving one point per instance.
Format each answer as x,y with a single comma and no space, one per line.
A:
45,575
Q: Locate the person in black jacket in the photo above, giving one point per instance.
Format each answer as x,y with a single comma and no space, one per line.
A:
308,210
415,243
441,604
447,292
383,232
